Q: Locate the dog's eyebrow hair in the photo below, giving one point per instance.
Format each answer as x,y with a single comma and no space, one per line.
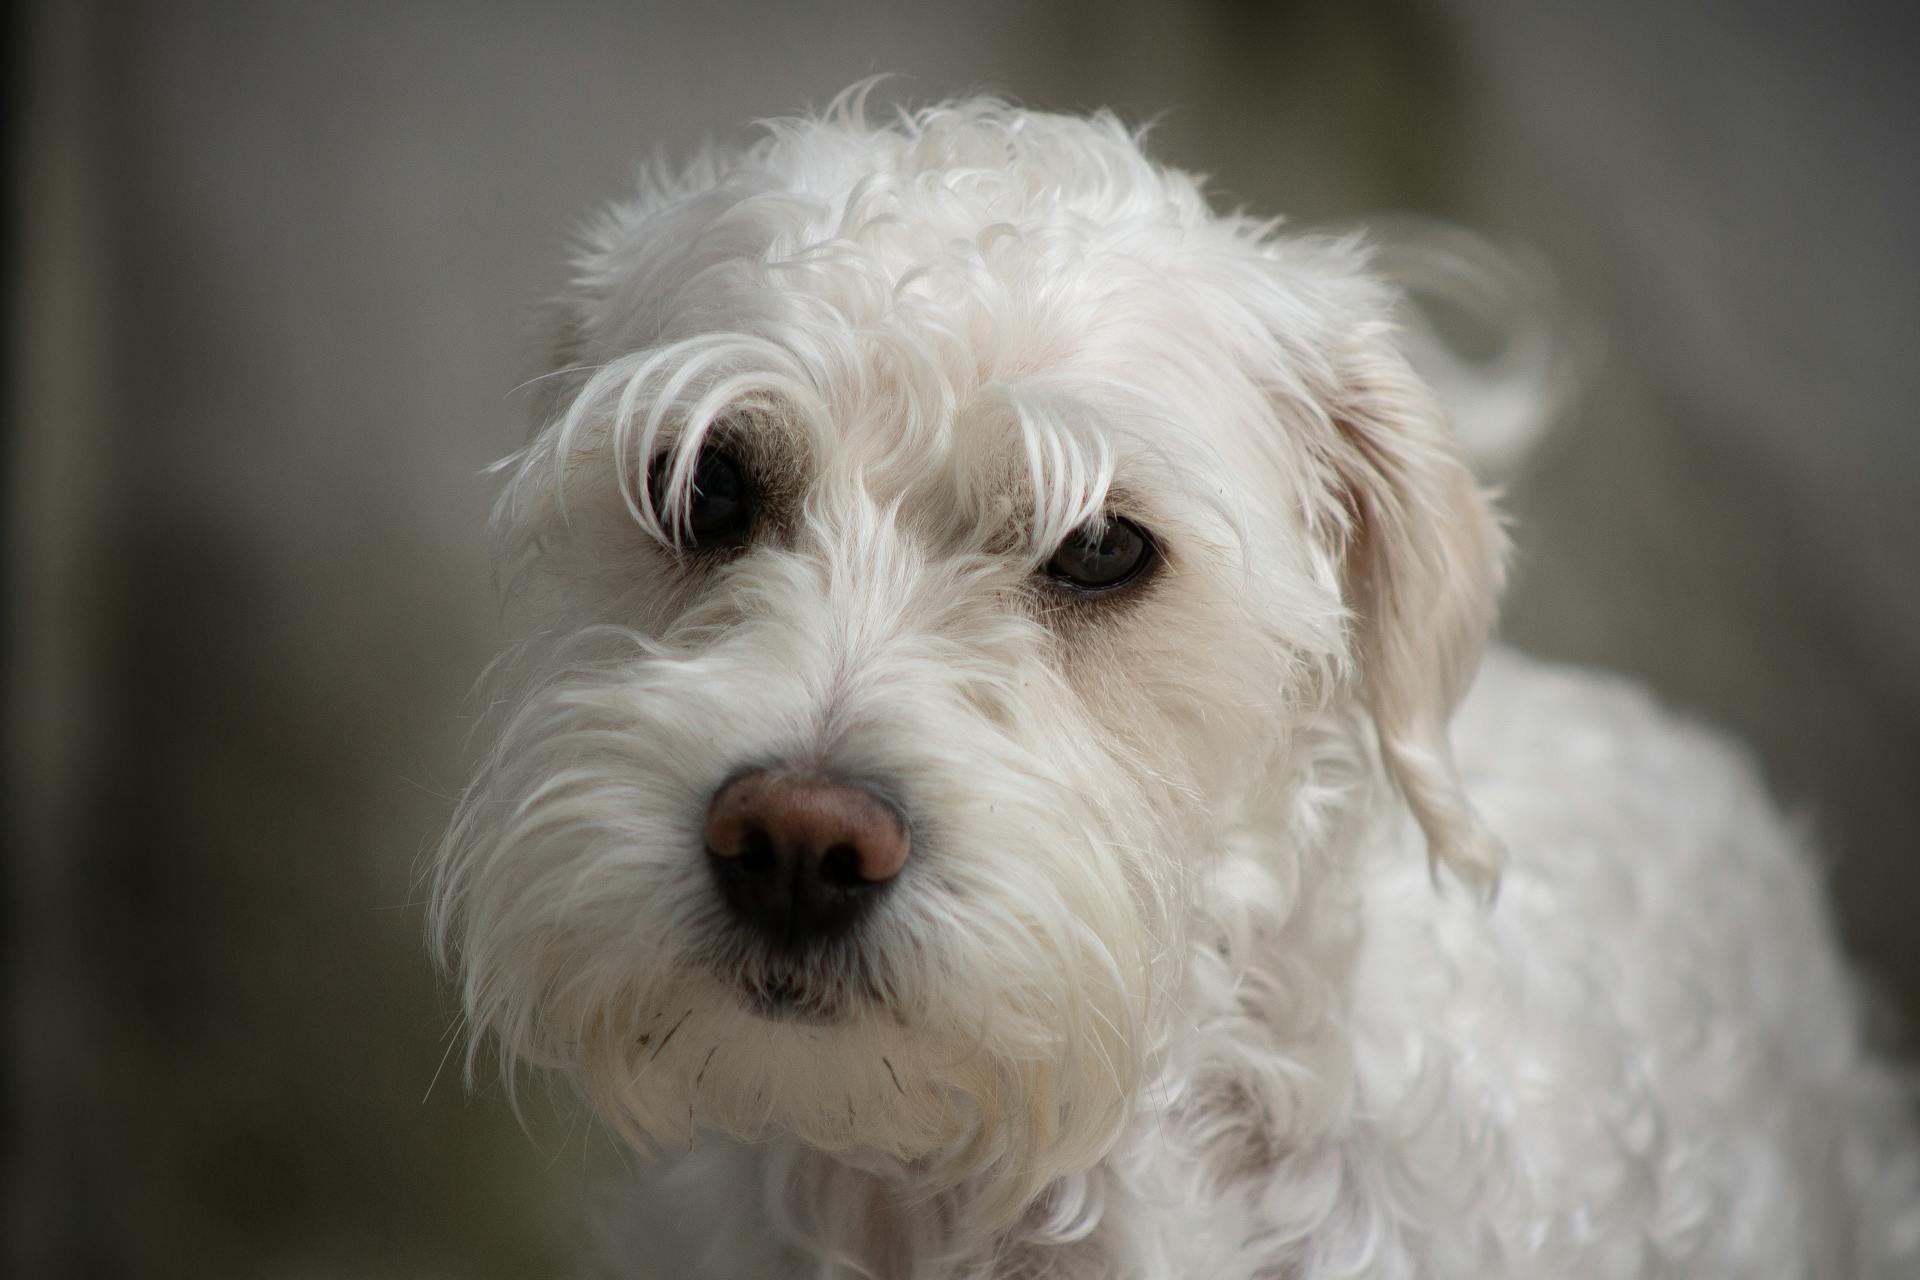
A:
1119,499
750,424
1122,500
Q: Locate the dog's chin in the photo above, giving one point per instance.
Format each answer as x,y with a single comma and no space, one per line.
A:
782,997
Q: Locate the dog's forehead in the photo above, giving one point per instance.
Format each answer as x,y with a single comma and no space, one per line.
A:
908,309
986,291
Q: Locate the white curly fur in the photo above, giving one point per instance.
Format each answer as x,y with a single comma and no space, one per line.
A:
1167,989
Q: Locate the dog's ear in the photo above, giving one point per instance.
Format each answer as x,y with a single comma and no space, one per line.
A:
1422,560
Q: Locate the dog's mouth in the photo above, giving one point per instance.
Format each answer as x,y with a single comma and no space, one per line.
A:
810,988
788,998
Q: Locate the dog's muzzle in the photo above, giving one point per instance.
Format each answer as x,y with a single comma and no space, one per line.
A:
799,857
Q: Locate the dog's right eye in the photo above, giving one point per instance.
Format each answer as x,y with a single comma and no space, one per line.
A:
719,505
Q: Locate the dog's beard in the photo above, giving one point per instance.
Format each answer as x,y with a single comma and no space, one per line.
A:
984,1024
819,985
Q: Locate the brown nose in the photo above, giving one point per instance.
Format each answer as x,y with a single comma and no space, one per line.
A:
800,857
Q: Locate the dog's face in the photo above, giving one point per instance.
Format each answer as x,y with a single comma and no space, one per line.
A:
939,534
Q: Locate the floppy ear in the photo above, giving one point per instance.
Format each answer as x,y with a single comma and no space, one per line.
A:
1423,558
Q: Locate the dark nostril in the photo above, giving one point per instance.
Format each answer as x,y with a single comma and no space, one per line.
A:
840,865
756,852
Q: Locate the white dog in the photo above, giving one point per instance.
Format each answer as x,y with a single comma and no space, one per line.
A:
978,800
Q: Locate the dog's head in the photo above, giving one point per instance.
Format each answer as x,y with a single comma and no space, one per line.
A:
938,536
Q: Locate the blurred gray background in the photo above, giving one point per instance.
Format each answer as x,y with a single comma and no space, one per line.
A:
269,271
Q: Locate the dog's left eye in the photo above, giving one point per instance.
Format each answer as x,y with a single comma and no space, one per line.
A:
720,503
1103,555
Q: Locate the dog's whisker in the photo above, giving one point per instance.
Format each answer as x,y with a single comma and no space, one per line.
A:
570,371
662,1046
452,1036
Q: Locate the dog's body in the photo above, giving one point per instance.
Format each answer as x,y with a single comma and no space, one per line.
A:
975,783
